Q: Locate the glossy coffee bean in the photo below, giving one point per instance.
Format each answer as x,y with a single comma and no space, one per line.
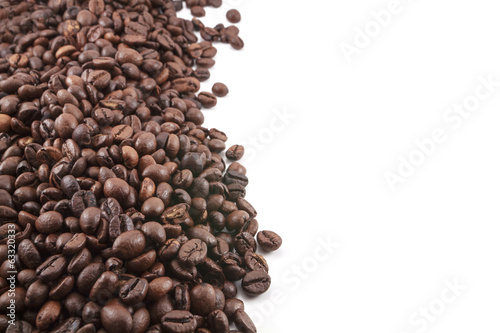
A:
116,319
256,282
269,240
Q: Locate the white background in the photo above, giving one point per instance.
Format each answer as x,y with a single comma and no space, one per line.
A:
321,176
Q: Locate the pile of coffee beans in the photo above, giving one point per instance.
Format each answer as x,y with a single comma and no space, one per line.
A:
117,211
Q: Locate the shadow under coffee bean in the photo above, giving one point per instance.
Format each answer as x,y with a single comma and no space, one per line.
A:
125,216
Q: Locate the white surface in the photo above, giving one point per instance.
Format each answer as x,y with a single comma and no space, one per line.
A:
323,174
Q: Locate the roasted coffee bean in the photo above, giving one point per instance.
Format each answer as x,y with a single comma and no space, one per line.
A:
269,240
116,188
208,100
255,262
81,200
152,207
243,322
48,315
49,222
52,268
178,321
90,219
129,244
235,152
220,89
116,319
233,16
133,291
203,299
218,322
256,282
243,242
193,252
104,288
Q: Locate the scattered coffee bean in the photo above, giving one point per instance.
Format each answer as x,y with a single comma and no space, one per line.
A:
220,89
233,16
235,152
269,240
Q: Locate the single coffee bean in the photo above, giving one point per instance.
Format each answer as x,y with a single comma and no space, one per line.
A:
208,100
269,240
49,222
203,299
116,319
193,252
235,152
133,291
233,16
178,321
256,282
220,89
243,322
129,244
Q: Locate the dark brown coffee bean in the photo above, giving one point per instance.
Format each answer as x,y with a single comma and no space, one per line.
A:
133,291
152,207
178,321
244,242
235,152
129,244
256,282
193,252
208,100
202,299
218,322
269,240
243,322
233,16
116,319
255,262
154,232
104,288
49,222
116,188
52,268
48,315
90,219
220,89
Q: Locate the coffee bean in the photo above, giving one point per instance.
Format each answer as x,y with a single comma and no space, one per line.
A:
202,299
232,305
269,240
235,152
243,322
208,100
233,16
220,89
178,321
90,219
48,315
116,188
51,268
116,319
129,244
133,291
49,222
193,252
256,282
152,207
